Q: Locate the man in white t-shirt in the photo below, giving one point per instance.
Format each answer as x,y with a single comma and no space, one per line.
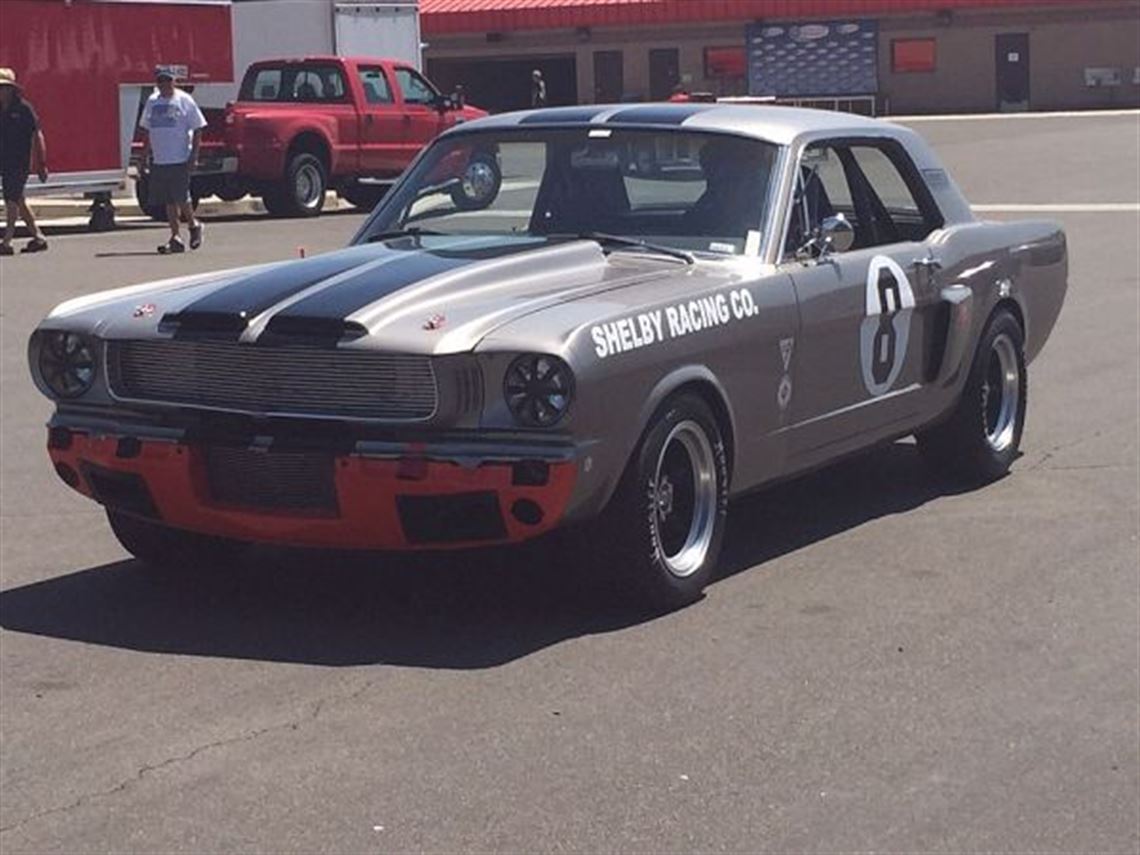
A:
172,126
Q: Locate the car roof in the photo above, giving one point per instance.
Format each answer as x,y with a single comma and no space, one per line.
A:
776,124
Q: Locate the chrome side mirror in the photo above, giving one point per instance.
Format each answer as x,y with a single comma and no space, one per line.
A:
836,234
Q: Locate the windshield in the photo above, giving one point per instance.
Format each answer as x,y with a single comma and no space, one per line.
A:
703,193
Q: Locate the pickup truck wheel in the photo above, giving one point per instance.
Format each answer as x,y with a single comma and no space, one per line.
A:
479,185
665,524
981,438
302,192
165,547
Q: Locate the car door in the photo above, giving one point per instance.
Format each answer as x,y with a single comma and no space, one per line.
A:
863,355
423,121
381,124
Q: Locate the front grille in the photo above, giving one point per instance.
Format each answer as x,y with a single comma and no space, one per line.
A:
286,481
285,380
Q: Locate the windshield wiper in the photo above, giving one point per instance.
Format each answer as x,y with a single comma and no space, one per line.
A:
413,231
621,240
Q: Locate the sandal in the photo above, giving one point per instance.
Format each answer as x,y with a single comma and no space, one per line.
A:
37,244
173,246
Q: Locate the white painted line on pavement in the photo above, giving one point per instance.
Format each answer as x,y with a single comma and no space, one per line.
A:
982,117
1062,207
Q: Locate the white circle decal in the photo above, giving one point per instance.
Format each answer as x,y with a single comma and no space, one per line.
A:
886,328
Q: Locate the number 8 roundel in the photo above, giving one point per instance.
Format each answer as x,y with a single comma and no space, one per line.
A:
886,328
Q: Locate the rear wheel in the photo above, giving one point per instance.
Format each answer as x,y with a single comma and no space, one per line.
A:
301,193
162,546
665,524
981,438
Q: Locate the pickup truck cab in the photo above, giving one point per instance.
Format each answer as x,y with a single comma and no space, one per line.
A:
303,126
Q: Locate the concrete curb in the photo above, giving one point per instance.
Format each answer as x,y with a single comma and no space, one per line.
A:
48,209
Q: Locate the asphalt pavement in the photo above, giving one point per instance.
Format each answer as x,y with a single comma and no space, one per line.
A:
886,665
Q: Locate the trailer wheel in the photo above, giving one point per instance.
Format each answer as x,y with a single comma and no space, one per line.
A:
363,196
142,194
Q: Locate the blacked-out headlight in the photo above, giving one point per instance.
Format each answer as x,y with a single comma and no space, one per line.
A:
538,389
67,363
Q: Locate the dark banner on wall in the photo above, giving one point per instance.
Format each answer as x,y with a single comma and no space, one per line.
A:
819,58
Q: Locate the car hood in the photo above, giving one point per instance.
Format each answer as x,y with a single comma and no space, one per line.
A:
430,295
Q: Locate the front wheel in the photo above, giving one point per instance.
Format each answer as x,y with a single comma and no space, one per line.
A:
666,521
479,185
980,439
161,546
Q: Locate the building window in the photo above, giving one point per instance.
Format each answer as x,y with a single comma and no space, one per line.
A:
909,55
724,62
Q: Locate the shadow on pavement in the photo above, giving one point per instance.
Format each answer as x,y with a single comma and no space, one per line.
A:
470,610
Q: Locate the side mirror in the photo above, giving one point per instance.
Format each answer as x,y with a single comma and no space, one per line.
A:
836,234
443,103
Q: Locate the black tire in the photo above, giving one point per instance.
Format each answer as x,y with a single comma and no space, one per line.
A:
980,439
301,192
363,196
142,195
161,546
480,184
661,539
155,212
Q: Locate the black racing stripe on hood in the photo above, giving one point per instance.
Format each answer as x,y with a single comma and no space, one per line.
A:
563,115
657,114
232,306
334,304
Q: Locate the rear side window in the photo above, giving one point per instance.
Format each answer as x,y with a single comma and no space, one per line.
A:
294,83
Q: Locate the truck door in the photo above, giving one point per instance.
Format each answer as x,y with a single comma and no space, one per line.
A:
862,361
423,120
381,124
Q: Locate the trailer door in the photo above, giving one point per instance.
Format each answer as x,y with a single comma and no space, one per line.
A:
390,30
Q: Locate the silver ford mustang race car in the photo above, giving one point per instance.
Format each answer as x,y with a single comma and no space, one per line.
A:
620,316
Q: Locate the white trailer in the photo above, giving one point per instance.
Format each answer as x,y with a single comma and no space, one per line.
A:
268,29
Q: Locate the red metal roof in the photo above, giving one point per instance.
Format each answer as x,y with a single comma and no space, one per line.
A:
477,16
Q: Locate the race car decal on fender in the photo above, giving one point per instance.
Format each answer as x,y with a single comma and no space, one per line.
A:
886,329
680,319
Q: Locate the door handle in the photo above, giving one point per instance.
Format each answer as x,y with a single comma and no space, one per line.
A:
369,118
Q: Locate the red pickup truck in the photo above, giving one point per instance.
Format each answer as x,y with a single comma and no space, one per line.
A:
303,126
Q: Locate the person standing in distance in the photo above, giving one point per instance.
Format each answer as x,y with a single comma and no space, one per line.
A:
173,131
537,89
21,146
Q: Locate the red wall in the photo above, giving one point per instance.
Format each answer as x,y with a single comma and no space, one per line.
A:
71,57
476,16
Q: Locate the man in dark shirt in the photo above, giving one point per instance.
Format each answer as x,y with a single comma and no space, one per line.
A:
20,139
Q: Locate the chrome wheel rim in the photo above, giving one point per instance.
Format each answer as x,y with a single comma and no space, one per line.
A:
309,186
684,496
478,181
1001,388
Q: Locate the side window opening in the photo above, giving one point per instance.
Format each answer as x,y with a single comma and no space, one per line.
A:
415,88
376,88
869,182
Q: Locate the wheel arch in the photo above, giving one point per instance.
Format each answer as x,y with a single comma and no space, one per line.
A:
310,141
701,381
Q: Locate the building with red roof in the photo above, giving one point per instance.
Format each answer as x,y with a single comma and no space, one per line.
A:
885,56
